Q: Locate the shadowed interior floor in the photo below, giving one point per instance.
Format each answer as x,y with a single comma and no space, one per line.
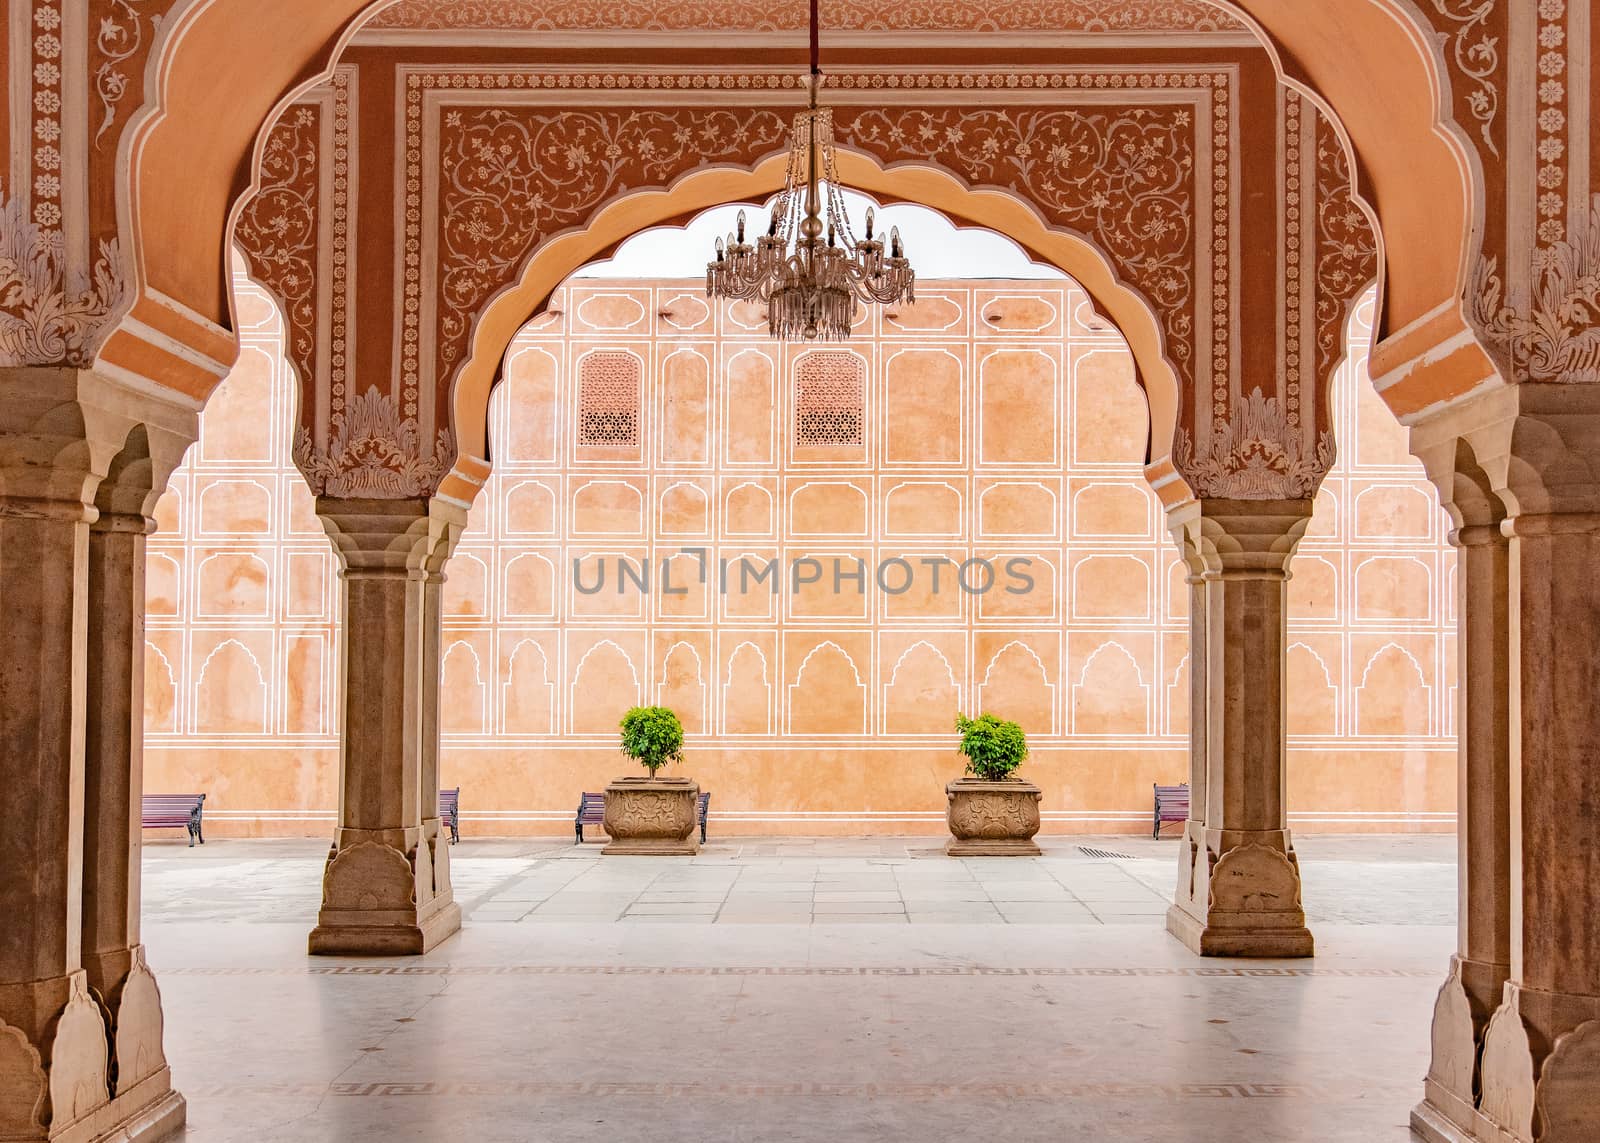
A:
838,989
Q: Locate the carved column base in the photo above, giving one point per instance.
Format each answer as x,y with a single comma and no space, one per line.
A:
1245,902
370,898
1540,1069
1434,1124
1466,1000
127,991
436,838
55,1072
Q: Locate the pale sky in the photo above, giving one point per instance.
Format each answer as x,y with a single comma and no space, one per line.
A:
936,247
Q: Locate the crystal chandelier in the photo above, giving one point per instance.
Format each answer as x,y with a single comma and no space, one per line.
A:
816,291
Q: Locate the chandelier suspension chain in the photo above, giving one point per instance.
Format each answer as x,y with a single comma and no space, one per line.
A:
815,291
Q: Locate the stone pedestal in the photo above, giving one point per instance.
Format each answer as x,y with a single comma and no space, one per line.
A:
992,819
80,1014
379,896
1238,891
652,817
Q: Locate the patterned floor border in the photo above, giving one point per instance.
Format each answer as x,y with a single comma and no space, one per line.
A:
998,1089
1246,972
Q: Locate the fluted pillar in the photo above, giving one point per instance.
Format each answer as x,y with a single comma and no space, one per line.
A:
1238,890
1530,872
70,1068
378,894
447,521
1540,1066
1481,965
1202,583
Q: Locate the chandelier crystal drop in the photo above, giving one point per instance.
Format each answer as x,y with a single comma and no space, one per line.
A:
813,291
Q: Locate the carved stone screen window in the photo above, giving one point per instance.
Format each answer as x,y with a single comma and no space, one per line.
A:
829,400
608,401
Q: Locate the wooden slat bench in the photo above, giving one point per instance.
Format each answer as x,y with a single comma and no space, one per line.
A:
450,812
1172,805
174,811
592,812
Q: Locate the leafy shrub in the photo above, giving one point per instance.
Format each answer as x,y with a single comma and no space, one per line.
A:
993,746
652,736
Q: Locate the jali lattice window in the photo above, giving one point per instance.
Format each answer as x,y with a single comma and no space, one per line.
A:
829,400
608,401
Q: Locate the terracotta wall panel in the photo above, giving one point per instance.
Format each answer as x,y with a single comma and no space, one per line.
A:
998,422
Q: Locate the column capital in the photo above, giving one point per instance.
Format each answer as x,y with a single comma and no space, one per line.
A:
66,432
1477,535
127,523
393,536
1537,446
1239,538
375,536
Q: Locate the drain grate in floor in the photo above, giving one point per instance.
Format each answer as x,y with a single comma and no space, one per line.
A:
1104,854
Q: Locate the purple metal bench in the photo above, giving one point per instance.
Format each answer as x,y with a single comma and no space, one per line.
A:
174,811
450,812
1172,805
592,812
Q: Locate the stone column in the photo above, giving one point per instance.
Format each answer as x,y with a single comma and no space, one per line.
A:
60,431
114,782
378,886
1531,906
446,521
1202,583
1482,963
1540,1067
1241,896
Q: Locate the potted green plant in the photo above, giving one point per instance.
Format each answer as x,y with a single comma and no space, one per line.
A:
991,812
652,815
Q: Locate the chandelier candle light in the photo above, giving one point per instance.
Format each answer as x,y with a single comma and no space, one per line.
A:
815,292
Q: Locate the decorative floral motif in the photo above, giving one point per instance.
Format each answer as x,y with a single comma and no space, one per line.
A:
303,202
119,47
1137,205
42,322
1472,29
1255,455
375,453
513,176
344,79
1551,148
1293,267
1554,335
279,228
1347,250
559,166
790,15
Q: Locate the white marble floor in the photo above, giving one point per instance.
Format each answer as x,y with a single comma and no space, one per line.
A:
838,989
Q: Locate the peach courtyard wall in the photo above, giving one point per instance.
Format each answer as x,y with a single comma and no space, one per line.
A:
995,423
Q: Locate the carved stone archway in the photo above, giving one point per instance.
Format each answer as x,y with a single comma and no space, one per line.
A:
999,211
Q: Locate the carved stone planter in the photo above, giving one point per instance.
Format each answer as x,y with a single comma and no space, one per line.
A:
992,819
652,816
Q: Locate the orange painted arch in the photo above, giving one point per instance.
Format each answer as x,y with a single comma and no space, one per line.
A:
189,157
1001,211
